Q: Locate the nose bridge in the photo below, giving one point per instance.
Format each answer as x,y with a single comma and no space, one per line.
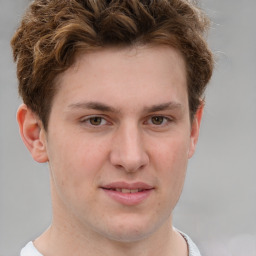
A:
128,150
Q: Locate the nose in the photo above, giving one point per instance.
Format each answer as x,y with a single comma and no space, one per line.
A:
128,152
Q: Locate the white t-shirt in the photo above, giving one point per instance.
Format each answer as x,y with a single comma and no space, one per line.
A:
30,250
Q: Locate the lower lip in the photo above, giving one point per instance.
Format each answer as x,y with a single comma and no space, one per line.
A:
129,198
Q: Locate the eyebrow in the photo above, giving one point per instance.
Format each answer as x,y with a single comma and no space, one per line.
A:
106,108
93,105
164,106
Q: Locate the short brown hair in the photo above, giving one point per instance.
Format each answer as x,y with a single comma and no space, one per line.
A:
52,32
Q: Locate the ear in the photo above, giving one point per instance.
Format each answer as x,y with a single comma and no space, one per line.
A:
195,127
32,133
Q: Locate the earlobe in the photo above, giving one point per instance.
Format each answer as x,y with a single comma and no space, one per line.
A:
32,133
195,127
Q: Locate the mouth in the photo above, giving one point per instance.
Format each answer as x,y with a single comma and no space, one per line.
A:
125,187
127,193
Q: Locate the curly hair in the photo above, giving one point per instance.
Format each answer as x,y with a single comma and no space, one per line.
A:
53,32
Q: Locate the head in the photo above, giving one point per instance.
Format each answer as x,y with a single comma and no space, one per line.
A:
53,33
113,93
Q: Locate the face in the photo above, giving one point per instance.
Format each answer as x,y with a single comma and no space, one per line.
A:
118,141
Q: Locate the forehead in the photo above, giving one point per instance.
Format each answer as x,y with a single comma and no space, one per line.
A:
137,74
134,58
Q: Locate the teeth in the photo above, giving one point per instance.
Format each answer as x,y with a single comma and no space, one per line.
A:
125,190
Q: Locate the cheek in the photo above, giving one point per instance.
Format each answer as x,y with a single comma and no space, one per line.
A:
76,153
172,154
171,164
75,164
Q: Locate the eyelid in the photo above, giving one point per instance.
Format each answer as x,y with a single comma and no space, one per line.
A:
167,120
86,120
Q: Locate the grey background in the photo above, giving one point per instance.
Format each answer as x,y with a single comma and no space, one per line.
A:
218,205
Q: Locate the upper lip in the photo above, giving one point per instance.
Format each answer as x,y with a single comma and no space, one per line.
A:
125,185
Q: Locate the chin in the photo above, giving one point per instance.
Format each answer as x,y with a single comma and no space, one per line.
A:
130,231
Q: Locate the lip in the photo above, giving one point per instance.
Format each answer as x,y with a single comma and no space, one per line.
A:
128,199
135,185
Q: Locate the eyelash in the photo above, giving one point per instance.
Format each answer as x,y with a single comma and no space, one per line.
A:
88,121
165,120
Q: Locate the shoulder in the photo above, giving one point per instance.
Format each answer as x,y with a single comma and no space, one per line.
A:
30,250
192,248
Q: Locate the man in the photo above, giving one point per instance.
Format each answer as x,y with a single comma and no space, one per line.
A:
112,95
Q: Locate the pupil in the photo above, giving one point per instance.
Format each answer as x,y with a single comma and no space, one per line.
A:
95,120
157,120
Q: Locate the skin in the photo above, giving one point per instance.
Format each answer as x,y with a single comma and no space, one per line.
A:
118,115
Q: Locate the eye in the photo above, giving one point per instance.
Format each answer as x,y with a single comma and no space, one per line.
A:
157,120
94,121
